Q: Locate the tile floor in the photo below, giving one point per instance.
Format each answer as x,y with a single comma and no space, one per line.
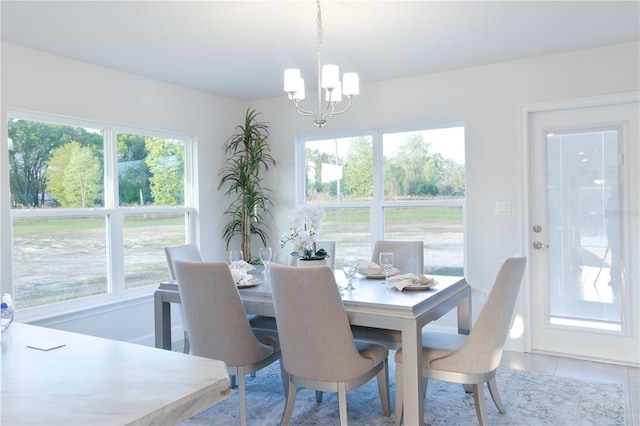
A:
629,377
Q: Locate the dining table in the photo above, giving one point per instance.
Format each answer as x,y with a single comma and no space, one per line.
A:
371,305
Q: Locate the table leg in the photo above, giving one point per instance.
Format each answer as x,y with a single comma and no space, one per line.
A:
412,372
464,313
162,317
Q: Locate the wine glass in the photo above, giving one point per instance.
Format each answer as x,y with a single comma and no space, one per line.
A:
386,262
349,269
235,258
6,311
265,257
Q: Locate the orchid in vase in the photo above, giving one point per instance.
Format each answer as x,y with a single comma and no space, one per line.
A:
304,224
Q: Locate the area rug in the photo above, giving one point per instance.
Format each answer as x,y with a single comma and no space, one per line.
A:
530,399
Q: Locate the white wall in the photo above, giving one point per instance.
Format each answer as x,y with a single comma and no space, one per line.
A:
487,98
36,81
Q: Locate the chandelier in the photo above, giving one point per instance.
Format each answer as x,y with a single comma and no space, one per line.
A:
328,79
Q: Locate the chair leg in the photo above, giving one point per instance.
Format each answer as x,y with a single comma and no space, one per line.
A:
288,406
285,378
186,348
342,403
495,395
242,397
318,397
399,396
478,396
424,390
383,388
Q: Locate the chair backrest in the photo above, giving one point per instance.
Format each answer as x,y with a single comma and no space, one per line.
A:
313,327
181,252
328,246
214,314
482,351
408,256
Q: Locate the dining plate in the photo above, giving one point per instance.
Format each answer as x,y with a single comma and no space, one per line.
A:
380,276
421,286
252,282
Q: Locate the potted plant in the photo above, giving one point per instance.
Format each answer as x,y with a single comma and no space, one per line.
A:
304,225
249,155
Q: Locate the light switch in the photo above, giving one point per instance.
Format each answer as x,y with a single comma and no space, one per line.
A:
503,208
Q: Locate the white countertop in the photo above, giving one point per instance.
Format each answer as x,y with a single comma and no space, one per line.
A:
95,381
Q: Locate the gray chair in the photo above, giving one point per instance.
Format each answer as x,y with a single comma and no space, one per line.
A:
408,256
182,252
472,360
328,246
318,349
218,326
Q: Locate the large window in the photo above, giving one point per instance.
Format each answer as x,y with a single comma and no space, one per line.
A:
400,184
93,205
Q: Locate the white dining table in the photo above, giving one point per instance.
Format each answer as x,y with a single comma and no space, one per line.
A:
94,381
370,305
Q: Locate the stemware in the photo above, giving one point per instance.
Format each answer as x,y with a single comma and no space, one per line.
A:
265,257
349,269
6,311
386,262
235,258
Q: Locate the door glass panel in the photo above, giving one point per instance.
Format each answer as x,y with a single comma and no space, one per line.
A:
585,269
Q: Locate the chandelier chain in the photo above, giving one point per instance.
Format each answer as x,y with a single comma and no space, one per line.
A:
319,23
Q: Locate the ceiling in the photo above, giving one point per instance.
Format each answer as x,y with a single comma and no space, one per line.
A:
239,49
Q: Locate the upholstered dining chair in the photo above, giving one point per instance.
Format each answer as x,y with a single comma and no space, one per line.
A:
182,252
318,349
473,359
218,326
328,246
408,256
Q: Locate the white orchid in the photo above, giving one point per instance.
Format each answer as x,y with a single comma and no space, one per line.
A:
304,224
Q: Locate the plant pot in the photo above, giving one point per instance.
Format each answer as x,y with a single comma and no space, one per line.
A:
305,262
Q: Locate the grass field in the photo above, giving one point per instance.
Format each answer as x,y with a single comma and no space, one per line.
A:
57,259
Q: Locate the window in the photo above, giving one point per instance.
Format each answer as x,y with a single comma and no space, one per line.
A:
400,184
93,205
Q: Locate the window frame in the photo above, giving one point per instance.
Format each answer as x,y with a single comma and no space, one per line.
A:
111,211
378,203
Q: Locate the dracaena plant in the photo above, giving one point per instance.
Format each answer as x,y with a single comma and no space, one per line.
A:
248,158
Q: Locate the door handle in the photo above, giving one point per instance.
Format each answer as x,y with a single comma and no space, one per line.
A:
538,245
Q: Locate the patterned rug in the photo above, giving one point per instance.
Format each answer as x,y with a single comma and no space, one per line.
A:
530,399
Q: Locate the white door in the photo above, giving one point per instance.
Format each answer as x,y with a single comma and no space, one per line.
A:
583,192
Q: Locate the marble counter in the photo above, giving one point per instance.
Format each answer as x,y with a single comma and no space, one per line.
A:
94,381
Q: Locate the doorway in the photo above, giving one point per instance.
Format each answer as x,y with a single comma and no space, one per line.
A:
583,228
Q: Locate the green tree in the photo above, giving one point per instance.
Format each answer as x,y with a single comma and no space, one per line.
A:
133,183
358,169
74,176
314,182
82,178
32,144
55,171
165,160
452,178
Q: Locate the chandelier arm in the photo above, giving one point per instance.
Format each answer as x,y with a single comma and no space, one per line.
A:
340,112
303,111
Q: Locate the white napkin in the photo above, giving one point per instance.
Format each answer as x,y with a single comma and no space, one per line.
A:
240,276
242,264
366,267
409,280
